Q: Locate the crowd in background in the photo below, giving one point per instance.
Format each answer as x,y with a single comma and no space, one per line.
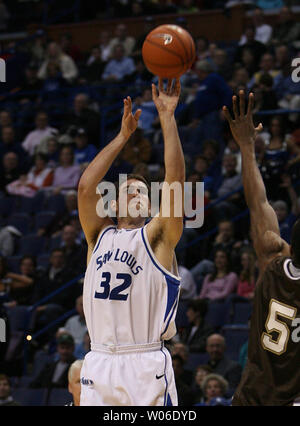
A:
50,130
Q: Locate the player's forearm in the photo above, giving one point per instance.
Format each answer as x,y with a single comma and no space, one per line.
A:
98,168
173,155
254,188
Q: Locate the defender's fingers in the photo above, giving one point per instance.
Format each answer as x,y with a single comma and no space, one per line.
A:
234,107
227,114
250,104
137,114
242,102
259,128
129,103
154,91
126,107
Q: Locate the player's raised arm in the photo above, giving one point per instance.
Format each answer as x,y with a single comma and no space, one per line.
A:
264,223
87,196
170,225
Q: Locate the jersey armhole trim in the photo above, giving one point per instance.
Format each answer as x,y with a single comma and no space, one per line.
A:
152,256
104,230
289,268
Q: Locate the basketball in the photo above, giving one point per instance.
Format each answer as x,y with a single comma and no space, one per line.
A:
169,51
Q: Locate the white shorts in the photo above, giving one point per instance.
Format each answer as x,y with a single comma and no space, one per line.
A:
128,375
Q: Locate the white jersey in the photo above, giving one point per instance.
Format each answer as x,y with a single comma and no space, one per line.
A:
129,298
130,303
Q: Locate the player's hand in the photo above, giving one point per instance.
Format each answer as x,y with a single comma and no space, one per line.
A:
129,121
167,99
242,126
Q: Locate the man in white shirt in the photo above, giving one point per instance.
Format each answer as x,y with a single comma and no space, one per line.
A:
263,31
41,131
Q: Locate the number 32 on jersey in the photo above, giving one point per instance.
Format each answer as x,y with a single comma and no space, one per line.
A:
279,345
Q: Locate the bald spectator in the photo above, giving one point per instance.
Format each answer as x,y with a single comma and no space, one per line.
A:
42,130
122,37
74,384
76,325
220,364
82,116
66,64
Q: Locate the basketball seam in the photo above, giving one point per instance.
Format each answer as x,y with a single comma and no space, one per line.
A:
182,44
164,66
166,49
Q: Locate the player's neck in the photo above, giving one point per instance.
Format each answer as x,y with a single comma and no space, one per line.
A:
130,223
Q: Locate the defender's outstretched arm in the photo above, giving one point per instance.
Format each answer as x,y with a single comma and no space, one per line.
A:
264,223
87,196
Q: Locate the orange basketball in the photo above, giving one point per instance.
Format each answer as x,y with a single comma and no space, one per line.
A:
169,51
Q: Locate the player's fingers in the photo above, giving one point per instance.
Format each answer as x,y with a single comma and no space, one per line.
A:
234,107
129,103
227,114
250,104
169,86
160,84
177,86
242,103
137,114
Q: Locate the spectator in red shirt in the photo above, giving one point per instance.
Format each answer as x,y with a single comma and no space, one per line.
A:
247,277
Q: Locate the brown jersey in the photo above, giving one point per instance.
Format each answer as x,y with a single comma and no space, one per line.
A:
272,374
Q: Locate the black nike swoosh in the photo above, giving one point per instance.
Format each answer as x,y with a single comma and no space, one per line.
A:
159,377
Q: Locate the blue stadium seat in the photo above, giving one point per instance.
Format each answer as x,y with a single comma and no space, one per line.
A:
196,359
6,206
41,358
30,397
54,203
54,242
242,312
42,219
13,263
31,245
17,316
21,221
29,205
59,397
216,314
181,319
235,336
43,261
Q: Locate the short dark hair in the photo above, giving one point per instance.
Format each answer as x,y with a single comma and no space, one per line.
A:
198,305
295,244
27,256
136,177
61,250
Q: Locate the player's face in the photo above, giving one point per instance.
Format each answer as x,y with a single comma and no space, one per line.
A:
134,194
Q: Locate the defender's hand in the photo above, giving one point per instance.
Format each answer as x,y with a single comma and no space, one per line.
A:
242,126
166,101
129,121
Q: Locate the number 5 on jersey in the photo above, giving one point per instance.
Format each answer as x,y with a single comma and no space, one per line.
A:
115,293
277,346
